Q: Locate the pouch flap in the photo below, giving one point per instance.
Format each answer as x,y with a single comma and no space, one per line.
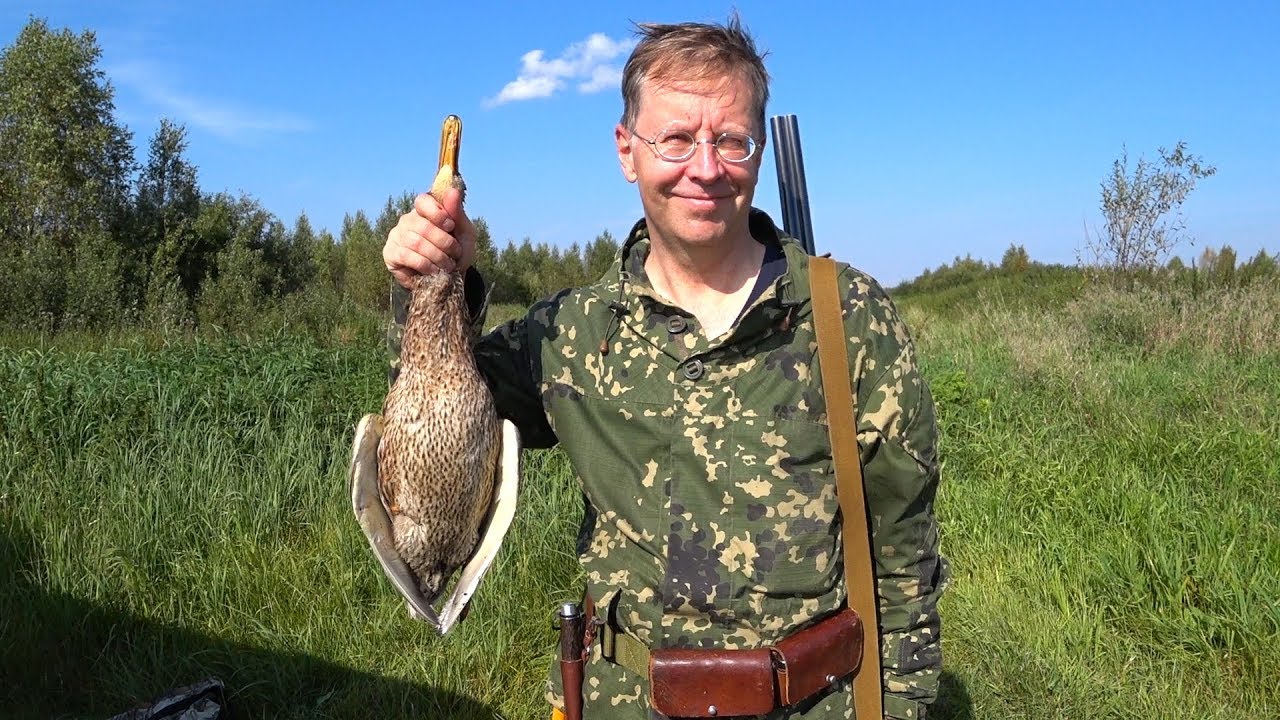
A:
711,683
817,656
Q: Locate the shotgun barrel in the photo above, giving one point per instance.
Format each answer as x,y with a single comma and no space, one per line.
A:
792,189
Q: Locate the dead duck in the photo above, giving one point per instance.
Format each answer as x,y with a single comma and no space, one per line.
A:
434,477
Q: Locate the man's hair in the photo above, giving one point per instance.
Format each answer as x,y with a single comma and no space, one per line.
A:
693,51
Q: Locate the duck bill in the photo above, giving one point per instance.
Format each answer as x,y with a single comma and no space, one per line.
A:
450,143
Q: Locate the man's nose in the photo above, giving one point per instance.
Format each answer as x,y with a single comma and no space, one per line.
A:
706,163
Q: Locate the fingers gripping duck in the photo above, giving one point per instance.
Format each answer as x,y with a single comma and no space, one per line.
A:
434,477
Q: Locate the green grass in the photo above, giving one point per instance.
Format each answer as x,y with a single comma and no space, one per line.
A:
1040,286
178,512
170,511
1112,512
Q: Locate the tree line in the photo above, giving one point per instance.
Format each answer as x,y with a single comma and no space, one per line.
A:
94,234
1212,268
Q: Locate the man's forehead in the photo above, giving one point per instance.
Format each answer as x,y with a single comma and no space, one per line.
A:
704,82
659,94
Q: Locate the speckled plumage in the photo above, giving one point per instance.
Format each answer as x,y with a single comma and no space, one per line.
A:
434,479
438,458
439,453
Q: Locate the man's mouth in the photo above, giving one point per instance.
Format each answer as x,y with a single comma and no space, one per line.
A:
701,200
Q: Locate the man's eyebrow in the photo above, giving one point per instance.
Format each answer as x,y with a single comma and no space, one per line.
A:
689,126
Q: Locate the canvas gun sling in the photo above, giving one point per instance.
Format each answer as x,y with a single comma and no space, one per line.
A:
864,643
842,428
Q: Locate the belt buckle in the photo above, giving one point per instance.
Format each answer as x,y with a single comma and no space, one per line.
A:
599,625
780,676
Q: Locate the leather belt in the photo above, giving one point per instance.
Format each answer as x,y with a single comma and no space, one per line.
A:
686,682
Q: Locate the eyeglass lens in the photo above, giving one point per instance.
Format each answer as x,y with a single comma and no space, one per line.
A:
677,146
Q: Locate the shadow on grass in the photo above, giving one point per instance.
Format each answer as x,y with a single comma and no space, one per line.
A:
65,657
953,701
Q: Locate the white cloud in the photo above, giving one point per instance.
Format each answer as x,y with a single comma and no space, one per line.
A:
528,88
603,77
224,119
588,61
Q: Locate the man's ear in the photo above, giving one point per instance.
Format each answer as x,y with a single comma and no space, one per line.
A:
622,138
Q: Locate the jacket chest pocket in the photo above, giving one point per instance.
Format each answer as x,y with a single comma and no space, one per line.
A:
785,541
618,449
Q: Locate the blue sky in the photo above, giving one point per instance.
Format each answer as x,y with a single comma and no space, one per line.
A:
930,130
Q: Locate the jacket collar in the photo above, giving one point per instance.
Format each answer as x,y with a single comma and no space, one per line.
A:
627,291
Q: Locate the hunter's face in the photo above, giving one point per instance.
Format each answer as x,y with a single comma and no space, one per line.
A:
704,199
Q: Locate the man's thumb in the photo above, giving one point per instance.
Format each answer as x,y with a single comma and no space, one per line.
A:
463,230
453,205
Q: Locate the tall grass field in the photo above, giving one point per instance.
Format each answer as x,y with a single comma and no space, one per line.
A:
174,510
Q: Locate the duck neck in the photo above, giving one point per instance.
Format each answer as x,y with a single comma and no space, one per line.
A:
436,325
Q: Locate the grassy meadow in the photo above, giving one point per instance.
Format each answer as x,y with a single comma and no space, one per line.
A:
1111,503
177,508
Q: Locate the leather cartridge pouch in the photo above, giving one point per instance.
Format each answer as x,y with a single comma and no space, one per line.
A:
707,683
812,659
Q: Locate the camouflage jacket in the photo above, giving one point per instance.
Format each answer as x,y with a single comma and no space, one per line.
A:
712,517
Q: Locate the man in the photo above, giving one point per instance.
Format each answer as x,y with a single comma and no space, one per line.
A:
683,387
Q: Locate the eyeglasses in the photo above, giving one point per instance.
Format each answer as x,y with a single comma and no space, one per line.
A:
678,145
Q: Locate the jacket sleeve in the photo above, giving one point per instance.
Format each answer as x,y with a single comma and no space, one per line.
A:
898,438
503,356
395,332
506,357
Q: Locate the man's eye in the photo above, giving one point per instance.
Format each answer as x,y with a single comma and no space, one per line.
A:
675,141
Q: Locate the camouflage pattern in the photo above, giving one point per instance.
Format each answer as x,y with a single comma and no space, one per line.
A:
712,518
400,298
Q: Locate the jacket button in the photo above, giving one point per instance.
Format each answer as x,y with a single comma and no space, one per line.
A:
692,370
676,324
